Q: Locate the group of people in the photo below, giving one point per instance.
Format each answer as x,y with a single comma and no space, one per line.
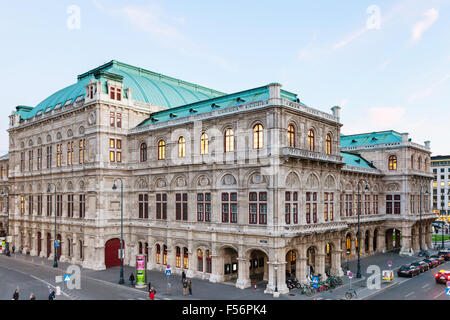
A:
186,284
32,296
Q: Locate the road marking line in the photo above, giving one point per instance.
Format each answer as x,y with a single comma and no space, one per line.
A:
440,294
427,285
411,293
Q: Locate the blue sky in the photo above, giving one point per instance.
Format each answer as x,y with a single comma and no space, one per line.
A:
394,74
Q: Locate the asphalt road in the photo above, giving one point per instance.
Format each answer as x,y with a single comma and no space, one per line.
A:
420,287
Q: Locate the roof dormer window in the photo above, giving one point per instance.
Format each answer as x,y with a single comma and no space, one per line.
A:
58,106
115,93
67,102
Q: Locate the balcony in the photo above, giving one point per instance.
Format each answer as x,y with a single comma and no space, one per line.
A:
310,155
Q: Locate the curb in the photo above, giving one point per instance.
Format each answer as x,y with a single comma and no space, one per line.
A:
381,290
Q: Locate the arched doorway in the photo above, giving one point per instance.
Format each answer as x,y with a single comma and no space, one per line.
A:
328,258
291,262
393,238
112,255
49,244
59,249
310,261
375,237
257,268
366,241
39,243
230,266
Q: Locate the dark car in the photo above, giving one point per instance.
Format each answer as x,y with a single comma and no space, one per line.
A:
431,262
423,266
408,271
442,276
440,259
445,254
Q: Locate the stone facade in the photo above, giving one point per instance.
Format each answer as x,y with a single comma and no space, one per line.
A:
196,188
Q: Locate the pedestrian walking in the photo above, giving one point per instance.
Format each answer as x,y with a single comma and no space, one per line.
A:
183,277
51,296
13,249
190,287
149,286
32,297
185,285
132,279
152,294
16,295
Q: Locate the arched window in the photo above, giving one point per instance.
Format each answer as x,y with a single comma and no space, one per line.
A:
291,135
140,247
185,258
158,254
181,147
161,150
419,162
257,136
165,255
348,244
204,143
143,148
208,261
178,260
392,163
311,142
328,143
229,140
200,260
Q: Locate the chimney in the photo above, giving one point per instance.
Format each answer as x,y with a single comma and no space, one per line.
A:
336,112
405,137
274,90
427,144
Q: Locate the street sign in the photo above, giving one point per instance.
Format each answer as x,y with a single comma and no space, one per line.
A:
315,281
67,277
389,263
350,275
57,244
447,291
168,272
118,253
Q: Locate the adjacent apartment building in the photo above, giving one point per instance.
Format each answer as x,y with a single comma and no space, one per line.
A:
441,186
249,186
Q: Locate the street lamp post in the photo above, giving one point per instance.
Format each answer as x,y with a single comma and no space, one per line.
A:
121,280
358,272
420,223
55,260
7,223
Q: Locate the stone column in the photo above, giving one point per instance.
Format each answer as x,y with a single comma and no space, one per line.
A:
243,280
320,260
336,269
190,272
34,244
270,288
217,261
266,270
406,242
370,243
381,242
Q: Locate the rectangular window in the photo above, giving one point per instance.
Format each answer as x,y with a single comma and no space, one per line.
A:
22,205
119,96
119,119
263,208
30,160
412,204
39,205
161,206
348,205
30,205
397,204
143,206
81,150
70,205
311,206
39,159
388,204
291,207
204,207
375,204
366,204
22,161
112,119
181,206
328,206
49,157
59,205
69,153
58,155
112,92
253,208
82,205
49,205
114,154
229,207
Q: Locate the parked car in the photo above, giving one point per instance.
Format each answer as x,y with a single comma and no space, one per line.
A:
433,262
428,262
444,253
440,259
421,265
442,276
408,271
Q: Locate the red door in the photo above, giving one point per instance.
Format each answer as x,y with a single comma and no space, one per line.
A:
112,248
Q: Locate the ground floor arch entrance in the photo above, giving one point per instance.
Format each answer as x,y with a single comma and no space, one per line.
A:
230,263
258,266
310,261
112,248
393,239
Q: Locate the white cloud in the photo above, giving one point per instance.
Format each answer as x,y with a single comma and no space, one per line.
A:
420,27
386,116
428,90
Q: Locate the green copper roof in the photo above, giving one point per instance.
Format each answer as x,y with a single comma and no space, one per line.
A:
354,160
364,139
146,86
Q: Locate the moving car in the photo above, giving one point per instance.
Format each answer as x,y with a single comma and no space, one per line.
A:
423,266
444,253
442,276
408,271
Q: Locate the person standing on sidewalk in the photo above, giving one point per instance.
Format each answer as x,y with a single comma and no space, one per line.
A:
183,277
185,285
152,294
132,279
16,295
190,287
13,249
